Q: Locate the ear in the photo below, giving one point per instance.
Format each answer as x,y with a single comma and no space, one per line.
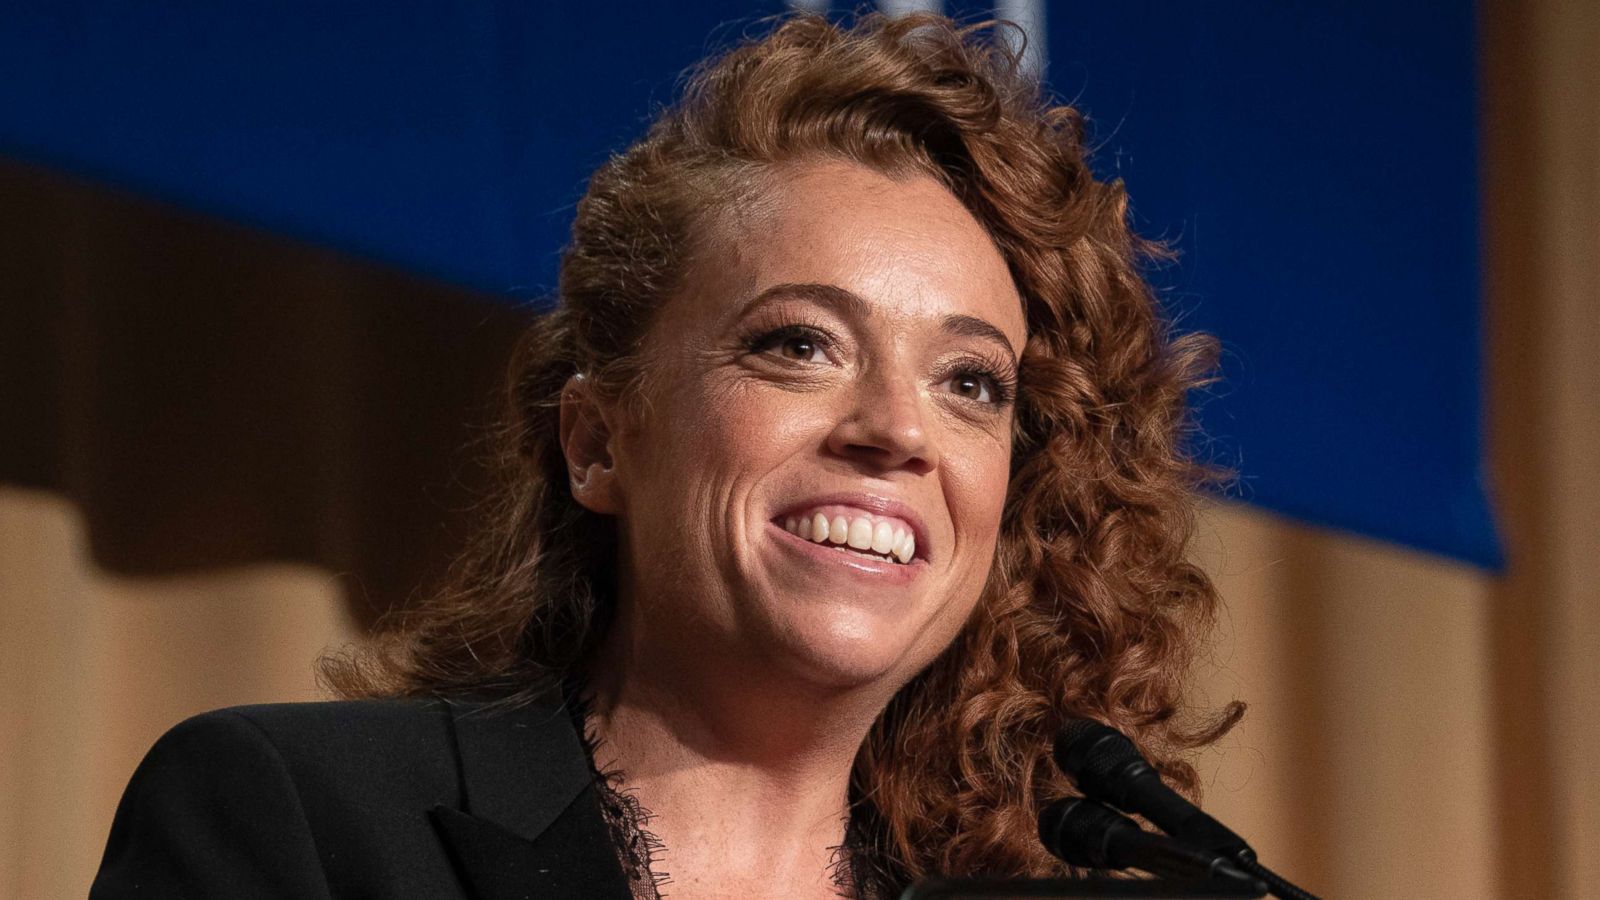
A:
586,442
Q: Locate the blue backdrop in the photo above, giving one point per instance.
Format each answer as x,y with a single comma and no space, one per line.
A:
1314,163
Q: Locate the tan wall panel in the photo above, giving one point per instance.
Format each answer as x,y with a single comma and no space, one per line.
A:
1363,768
100,666
1403,640
47,829
1249,778
1569,374
1542,196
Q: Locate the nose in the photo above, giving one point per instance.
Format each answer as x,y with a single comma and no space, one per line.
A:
883,426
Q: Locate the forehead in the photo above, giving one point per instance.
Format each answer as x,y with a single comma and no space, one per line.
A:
906,245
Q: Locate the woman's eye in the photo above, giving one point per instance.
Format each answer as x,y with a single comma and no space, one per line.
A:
794,344
802,348
971,386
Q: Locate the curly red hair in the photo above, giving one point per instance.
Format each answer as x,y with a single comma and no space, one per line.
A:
1091,609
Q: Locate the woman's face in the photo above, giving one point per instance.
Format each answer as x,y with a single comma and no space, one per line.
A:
841,359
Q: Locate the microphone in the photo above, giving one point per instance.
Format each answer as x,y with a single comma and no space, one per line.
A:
1086,833
1108,767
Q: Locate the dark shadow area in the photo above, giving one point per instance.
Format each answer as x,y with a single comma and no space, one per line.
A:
211,395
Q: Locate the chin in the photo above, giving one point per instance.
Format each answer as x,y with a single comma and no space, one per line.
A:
845,649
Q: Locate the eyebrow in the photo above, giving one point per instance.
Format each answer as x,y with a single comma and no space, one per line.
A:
972,326
852,304
830,295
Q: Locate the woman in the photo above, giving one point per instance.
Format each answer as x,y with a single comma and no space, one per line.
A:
845,470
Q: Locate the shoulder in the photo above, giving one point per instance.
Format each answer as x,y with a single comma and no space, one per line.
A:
361,736
352,718
367,751
245,801
328,756
348,729
292,798
375,751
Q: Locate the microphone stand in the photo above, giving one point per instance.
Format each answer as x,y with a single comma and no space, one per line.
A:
1277,885
1089,835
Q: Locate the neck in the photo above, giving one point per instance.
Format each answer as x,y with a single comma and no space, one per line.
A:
746,774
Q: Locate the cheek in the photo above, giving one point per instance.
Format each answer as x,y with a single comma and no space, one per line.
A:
711,445
760,423
976,488
978,484
976,481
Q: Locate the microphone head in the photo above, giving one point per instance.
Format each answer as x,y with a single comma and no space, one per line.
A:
1096,756
1109,768
1077,830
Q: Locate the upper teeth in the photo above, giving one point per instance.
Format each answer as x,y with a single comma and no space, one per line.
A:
860,531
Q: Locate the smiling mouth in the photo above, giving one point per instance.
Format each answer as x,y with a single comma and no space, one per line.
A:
878,538
862,562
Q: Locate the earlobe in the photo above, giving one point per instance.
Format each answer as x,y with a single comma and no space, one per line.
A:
586,443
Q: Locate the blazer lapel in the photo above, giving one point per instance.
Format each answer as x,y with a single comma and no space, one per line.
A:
531,827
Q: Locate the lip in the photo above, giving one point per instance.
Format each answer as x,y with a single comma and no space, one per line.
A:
872,503
879,572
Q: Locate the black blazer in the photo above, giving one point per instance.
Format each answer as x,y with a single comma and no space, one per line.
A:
370,798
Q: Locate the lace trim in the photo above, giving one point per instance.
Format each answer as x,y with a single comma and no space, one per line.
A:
638,849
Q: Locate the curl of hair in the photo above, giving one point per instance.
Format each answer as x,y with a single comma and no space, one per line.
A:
1091,608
